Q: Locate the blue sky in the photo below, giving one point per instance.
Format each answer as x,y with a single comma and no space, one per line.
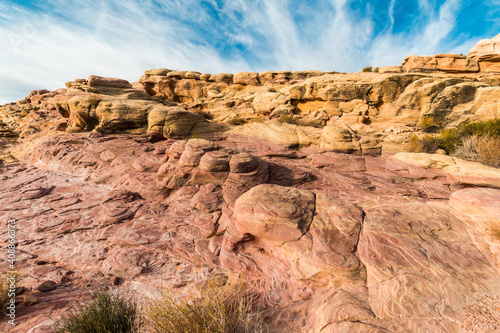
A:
46,43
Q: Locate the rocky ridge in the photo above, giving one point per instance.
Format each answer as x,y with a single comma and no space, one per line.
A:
290,179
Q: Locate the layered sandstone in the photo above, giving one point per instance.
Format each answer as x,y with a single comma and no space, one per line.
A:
483,58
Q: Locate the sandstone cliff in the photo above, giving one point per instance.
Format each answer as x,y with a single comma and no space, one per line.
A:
289,179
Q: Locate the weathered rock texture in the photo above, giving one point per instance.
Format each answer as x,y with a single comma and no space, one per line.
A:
284,178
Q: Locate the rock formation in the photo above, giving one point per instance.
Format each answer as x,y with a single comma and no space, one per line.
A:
292,180
484,57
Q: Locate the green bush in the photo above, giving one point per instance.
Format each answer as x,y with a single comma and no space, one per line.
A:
367,69
427,123
483,128
218,309
427,144
478,141
105,313
376,69
451,139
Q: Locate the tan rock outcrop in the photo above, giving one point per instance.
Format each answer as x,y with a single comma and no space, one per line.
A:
448,63
486,46
246,78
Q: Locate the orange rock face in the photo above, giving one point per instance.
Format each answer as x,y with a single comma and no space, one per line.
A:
486,46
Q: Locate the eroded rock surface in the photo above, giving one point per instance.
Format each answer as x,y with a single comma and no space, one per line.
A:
287,179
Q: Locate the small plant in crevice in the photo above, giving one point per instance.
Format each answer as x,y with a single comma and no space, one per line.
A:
106,312
493,228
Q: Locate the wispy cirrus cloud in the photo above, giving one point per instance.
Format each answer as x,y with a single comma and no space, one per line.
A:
46,43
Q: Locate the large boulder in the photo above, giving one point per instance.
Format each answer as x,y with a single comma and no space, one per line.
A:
172,121
275,213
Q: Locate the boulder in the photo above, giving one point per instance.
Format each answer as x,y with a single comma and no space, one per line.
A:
246,78
275,213
222,78
95,80
338,139
123,114
265,103
47,286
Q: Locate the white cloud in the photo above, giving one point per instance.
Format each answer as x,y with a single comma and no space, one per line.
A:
75,39
426,38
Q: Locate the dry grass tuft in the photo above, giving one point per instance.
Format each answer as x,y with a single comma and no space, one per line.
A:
493,228
218,309
484,149
489,152
106,312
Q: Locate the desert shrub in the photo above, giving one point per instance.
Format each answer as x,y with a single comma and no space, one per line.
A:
478,141
469,148
484,149
376,69
367,69
489,151
449,139
482,128
218,309
5,289
455,139
427,123
105,313
427,144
